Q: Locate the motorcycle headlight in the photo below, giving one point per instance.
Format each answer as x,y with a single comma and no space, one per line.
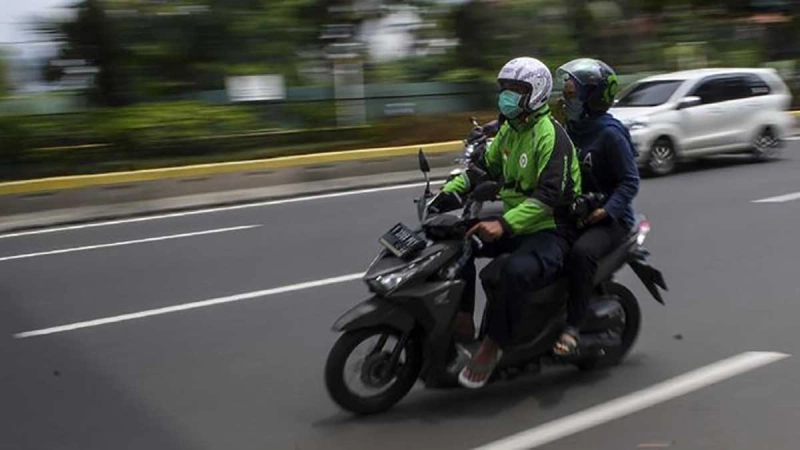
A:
388,282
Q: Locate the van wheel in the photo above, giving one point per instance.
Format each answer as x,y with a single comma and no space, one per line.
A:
662,158
766,145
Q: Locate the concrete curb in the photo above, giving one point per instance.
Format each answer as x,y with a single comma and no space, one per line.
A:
121,211
200,170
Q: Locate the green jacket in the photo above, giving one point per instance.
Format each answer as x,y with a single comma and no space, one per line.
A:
539,170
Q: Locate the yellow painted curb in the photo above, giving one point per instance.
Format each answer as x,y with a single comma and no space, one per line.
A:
82,181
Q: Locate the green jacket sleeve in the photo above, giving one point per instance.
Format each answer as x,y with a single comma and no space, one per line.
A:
458,185
555,181
492,164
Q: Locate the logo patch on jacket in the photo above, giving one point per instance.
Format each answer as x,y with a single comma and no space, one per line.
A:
523,161
587,160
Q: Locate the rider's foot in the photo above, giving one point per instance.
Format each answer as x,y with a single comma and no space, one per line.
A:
567,345
482,365
464,328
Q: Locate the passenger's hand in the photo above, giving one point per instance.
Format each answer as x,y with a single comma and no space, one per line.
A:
598,215
487,231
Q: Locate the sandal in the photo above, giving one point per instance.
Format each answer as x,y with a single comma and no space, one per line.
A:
567,345
483,370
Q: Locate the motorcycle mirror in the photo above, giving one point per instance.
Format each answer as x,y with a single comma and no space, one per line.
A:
486,191
491,128
423,162
474,122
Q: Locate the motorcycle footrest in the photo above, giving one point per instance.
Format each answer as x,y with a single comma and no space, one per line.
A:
591,345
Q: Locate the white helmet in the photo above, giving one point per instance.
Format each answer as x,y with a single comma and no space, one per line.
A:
534,76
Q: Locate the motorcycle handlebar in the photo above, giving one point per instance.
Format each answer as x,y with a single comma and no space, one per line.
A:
477,241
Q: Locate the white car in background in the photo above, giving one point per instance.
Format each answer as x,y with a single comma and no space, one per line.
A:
697,113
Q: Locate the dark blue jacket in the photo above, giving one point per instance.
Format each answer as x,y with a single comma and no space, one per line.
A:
608,162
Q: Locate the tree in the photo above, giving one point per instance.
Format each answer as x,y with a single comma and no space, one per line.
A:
4,81
491,33
91,38
157,50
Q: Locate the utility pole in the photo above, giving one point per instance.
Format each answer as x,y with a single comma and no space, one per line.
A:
346,56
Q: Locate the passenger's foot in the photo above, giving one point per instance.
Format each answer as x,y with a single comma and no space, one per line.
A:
478,371
464,328
567,345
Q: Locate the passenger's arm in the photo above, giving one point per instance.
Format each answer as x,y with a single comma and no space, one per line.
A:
626,173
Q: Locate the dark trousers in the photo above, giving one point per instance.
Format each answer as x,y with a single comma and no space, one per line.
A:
534,261
591,246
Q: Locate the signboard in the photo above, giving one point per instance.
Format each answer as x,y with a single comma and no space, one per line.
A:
255,88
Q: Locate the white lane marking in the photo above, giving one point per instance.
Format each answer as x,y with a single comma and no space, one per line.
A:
214,210
780,198
188,306
123,243
637,401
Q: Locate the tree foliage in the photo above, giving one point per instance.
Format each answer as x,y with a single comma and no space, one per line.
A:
4,81
147,51
162,50
92,38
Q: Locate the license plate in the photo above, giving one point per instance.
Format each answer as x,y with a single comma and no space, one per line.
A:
401,241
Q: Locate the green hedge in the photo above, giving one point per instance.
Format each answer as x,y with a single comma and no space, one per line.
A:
132,129
159,135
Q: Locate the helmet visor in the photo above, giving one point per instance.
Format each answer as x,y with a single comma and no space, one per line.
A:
583,72
586,71
520,87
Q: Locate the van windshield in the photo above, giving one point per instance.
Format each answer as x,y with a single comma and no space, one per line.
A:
648,93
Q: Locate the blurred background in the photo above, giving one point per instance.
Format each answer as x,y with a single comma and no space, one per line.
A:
101,85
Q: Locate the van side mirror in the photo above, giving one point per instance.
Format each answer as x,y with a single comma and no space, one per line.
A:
689,102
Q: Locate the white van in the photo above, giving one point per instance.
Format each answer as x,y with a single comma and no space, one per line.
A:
696,113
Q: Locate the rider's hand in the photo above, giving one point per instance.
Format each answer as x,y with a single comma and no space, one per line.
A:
487,231
597,215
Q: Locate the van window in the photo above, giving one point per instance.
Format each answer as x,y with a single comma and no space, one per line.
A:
735,87
757,85
710,91
648,93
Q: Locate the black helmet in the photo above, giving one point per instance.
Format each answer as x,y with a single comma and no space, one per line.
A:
596,83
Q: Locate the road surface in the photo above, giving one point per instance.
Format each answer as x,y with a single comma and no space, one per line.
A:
210,330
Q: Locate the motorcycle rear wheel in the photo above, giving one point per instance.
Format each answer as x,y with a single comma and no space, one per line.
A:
633,322
371,371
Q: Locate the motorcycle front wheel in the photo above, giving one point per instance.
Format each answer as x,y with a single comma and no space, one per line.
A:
360,373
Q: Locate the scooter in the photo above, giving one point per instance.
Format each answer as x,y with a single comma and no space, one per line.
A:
404,331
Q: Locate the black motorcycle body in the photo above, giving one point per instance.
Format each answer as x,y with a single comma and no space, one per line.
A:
415,294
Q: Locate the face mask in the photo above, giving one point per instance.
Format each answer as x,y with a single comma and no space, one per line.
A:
508,102
573,108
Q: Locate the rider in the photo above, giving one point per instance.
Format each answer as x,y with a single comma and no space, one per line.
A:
533,157
608,163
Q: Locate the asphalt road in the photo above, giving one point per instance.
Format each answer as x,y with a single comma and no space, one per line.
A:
246,373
